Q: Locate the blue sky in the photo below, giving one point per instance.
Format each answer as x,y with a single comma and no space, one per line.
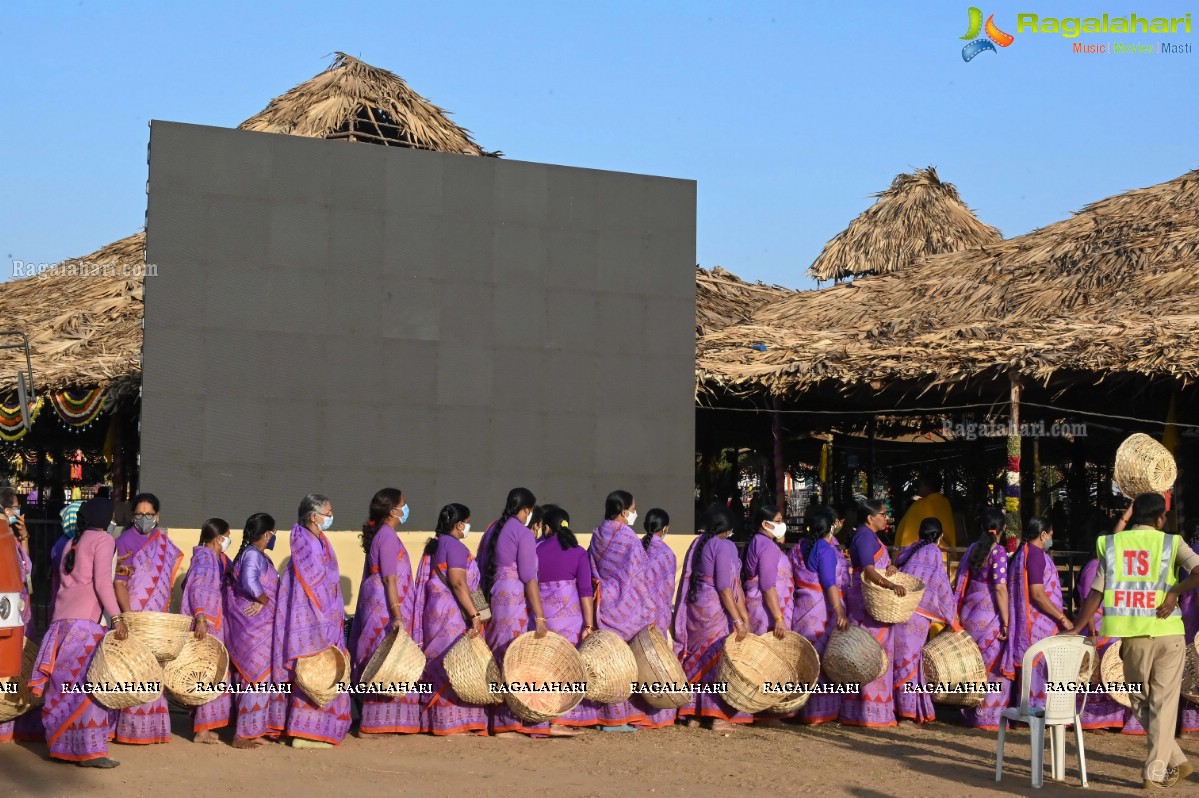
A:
788,115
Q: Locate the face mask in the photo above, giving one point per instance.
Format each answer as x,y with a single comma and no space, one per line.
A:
529,520
144,523
225,544
632,517
271,545
12,519
779,530
328,522
465,530
404,515
1048,544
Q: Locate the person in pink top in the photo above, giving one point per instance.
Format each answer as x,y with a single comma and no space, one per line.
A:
77,726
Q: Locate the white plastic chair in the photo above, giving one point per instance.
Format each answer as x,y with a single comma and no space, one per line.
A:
1064,657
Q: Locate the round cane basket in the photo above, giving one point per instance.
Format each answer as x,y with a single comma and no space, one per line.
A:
397,660
119,662
551,662
953,658
164,633
853,656
318,675
801,655
886,607
659,668
611,667
471,669
1112,672
1190,674
1143,466
749,668
202,662
13,705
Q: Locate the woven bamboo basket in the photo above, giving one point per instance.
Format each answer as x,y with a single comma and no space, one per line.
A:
14,705
200,662
886,607
747,667
796,651
471,668
122,661
1190,674
1143,466
1113,671
318,675
953,658
397,659
164,633
611,667
657,665
552,660
853,656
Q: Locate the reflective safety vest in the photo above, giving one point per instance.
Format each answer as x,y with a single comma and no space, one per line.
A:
1138,570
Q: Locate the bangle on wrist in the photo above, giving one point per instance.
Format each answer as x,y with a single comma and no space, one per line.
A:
539,618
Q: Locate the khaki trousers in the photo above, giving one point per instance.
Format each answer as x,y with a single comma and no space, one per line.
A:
1156,662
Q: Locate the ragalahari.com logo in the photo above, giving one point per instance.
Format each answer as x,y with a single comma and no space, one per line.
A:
994,34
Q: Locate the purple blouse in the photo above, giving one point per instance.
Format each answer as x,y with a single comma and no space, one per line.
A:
1035,565
254,565
720,563
556,565
384,553
821,557
993,571
129,543
515,545
865,547
451,552
762,560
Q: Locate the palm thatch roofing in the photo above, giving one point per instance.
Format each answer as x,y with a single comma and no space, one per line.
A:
1112,290
917,216
355,101
83,317
722,298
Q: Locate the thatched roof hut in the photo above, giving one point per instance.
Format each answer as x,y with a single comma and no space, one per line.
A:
917,216
1110,293
722,298
83,317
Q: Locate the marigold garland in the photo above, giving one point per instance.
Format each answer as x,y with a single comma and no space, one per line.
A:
78,408
11,428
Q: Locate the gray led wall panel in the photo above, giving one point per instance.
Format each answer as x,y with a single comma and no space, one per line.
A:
340,317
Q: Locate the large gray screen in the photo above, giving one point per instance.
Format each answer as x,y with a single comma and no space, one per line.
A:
339,318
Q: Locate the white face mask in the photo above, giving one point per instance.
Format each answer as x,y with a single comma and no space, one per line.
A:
529,520
778,530
632,517
225,544
465,530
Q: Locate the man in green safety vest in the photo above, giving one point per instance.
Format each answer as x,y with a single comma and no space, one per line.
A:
1137,584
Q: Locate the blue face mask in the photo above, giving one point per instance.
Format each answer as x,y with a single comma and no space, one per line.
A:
328,522
271,544
404,515
12,519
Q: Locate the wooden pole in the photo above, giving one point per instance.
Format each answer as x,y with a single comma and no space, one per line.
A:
780,479
1036,476
870,432
1011,502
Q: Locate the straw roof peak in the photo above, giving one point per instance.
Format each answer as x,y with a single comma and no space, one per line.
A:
919,215
356,101
722,298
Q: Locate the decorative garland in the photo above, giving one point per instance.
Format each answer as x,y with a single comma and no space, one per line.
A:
11,428
78,408
1011,499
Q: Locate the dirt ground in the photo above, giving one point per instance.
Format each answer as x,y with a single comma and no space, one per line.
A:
927,762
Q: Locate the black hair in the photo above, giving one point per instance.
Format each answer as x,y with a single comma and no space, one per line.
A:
382,504
537,517
719,521
930,531
869,507
765,513
257,525
8,498
932,480
818,523
149,498
447,519
655,521
990,521
557,520
1147,508
212,529
617,502
1036,526
518,499
1190,531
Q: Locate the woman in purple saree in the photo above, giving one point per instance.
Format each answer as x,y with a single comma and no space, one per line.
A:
1036,604
386,601
821,575
508,562
567,596
445,612
147,562
875,705
203,601
251,595
923,560
311,618
620,567
766,576
78,727
710,606
983,607
660,575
